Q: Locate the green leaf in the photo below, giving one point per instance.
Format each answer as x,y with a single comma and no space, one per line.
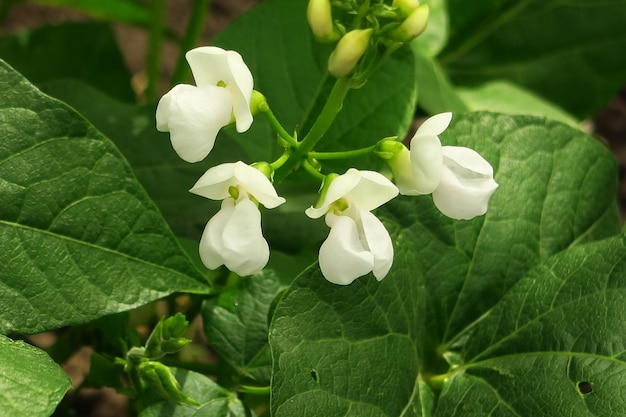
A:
127,11
83,51
165,176
31,383
509,98
236,324
292,75
79,237
374,348
216,401
564,51
436,92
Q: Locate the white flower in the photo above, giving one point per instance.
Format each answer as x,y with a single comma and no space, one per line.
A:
194,115
460,180
358,243
233,237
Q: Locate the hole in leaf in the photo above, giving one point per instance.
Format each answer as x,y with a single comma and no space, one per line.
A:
315,376
584,387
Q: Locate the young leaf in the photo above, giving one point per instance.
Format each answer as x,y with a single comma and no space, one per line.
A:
385,348
31,384
79,237
215,400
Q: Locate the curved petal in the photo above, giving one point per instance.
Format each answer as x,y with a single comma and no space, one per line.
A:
466,184
337,189
342,256
193,116
244,249
403,174
257,185
211,65
372,191
214,183
427,161
379,243
211,245
434,125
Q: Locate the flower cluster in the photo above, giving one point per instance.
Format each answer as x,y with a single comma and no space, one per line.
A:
460,180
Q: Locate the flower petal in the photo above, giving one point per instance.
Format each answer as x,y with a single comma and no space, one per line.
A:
427,161
466,184
372,191
257,185
342,256
214,183
193,116
245,251
211,243
434,125
210,65
379,243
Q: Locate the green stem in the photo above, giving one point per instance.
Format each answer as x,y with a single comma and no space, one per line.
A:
436,381
195,26
312,171
281,160
325,119
279,128
254,390
153,61
343,154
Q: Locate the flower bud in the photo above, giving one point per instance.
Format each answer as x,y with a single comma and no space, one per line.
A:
406,7
167,337
160,379
348,51
319,15
412,26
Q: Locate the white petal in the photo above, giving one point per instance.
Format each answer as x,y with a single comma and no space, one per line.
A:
211,243
245,251
466,184
337,189
427,161
193,116
379,243
257,185
372,191
434,125
214,183
404,176
342,256
210,65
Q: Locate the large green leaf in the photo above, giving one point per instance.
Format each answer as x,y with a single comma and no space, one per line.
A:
292,74
565,50
84,51
165,176
215,400
79,237
31,384
372,349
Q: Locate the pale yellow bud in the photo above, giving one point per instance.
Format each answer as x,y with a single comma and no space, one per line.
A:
319,15
405,6
412,26
348,51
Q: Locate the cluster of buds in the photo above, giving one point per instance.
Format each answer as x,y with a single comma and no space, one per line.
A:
460,180
382,26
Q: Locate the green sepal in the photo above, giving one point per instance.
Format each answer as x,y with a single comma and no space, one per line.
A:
160,378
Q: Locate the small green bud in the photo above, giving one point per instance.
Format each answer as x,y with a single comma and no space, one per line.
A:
167,337
160,378
265,168
319,15
412,27
348,51
387,148
258,103
406,7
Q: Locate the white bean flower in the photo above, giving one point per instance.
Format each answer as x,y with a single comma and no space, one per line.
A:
194,114
460,180
233,237
358,243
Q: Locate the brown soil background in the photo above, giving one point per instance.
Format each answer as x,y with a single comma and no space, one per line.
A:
609,126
